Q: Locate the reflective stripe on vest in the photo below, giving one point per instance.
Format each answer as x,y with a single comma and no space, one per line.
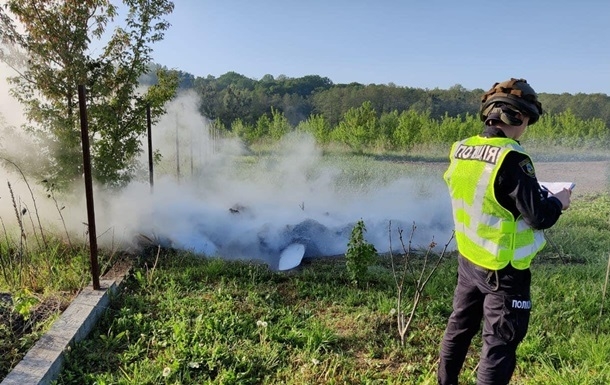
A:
487,233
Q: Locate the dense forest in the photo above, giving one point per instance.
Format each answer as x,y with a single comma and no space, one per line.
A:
385,117
233,96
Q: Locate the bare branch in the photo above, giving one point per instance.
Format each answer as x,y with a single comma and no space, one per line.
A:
423,277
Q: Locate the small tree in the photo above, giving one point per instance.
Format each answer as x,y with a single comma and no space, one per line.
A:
409,128
359,255
359,127
56,48
318,126
279,125
419,279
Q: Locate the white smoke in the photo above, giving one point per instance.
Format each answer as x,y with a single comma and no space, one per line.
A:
211,197
13,143
10,109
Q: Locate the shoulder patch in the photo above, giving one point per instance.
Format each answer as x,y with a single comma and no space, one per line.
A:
528,167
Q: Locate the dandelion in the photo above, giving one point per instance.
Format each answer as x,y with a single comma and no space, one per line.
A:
392,311
166,371
261,324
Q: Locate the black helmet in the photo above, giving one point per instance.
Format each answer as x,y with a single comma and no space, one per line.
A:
515,92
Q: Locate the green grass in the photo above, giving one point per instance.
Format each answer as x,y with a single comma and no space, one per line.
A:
37,284
190,320
581,234
231,322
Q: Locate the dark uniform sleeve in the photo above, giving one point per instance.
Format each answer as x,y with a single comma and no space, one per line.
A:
517,190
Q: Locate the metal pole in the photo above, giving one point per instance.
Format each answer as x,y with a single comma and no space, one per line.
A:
95,270
192,166
150,148
177,151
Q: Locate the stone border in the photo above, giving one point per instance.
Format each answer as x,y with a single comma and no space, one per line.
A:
42,363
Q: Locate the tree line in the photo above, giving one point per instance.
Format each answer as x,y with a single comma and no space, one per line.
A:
234,96
380,117
363,129
50,45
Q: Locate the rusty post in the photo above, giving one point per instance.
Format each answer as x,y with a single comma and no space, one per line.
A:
150,148
95,270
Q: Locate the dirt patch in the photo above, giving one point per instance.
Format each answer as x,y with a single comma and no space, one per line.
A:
590,177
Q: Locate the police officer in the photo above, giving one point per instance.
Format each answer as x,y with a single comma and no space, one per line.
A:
499,211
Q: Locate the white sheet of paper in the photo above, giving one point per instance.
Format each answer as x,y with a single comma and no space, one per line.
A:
555,187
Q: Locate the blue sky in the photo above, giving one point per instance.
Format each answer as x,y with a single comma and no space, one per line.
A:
558,46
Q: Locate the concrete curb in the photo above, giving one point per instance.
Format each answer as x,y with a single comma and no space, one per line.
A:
42,363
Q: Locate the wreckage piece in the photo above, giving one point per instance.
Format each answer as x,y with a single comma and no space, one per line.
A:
291,256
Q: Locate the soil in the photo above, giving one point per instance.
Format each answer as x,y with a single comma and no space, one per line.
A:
590,177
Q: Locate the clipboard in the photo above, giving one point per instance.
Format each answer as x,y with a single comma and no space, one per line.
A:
555,187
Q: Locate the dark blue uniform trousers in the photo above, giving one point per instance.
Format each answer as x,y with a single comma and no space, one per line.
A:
502,300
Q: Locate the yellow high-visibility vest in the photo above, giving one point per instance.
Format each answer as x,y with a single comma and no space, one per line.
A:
486,233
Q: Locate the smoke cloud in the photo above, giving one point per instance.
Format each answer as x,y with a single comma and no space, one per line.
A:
210,196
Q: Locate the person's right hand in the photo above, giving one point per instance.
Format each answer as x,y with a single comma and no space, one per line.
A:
564,197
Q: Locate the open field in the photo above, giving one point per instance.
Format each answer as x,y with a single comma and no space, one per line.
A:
205,321
589,176
321,330
192,321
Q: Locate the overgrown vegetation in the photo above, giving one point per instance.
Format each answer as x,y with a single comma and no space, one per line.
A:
42,267
183,319
36,286
359,255
364,130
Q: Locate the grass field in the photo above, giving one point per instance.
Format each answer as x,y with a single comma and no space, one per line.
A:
193,321
183,319
186,320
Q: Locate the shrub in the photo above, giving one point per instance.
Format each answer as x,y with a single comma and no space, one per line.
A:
359,255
